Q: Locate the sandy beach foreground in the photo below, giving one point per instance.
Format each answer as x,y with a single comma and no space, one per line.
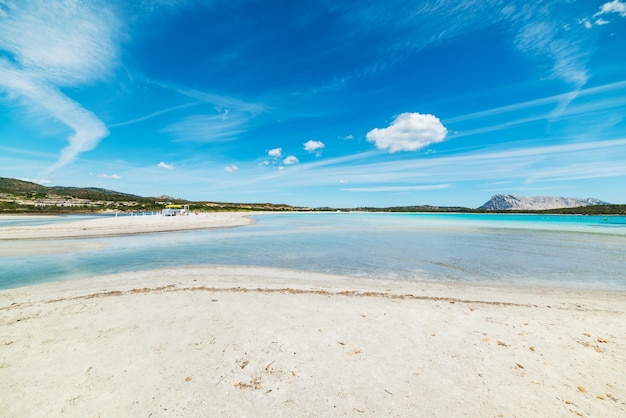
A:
229,341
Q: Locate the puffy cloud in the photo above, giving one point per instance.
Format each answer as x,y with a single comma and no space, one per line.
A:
312,146
275,153
109,176
408,132
231,168
291,160
165,165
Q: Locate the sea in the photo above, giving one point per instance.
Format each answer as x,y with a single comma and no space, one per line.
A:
567,251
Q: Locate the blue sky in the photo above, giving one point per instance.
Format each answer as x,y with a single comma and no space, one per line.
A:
317,103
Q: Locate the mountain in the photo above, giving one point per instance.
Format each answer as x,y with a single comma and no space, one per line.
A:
511,202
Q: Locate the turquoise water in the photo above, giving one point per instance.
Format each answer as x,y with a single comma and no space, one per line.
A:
564,251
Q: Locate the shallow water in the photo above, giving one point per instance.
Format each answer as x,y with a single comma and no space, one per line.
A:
539,250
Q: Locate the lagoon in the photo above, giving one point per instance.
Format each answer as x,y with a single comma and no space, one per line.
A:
585,252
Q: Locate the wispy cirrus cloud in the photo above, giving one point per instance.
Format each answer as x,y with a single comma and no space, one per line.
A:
47,45
529,104
221,127
546,37
153,115
552,35
397,188
544,32
230,119
516,165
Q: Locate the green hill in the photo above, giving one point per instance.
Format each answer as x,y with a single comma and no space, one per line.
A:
20,187
19,196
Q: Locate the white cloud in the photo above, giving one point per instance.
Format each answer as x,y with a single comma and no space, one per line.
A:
614,6
275,153
312,146
291,160
164,165
52,45
231,168
38,181
408,132
109,176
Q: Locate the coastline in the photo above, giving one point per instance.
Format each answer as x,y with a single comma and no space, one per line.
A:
269,342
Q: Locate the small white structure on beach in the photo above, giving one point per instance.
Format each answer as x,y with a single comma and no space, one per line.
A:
175,210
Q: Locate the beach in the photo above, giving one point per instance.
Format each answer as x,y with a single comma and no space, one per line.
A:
211,340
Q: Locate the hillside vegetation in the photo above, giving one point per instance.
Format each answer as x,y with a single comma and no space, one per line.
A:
18,196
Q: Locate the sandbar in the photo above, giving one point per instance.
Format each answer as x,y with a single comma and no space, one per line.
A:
265,342
124,225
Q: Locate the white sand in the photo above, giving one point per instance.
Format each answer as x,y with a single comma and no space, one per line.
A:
125,225
227,341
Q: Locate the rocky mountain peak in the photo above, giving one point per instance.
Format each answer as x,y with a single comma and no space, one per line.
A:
512,202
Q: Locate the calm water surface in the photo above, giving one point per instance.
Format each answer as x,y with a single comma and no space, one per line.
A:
564,251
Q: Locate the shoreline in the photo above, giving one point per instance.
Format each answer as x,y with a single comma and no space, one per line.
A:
222,340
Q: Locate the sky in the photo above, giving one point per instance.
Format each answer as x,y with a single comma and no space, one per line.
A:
341,103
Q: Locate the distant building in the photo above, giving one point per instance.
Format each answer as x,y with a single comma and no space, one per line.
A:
175,210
